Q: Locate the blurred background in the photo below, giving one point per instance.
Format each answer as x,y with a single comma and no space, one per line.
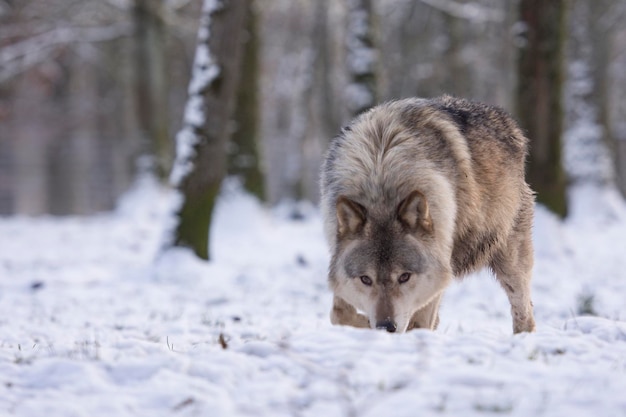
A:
92,92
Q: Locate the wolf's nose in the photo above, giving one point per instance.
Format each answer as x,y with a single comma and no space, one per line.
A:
388,325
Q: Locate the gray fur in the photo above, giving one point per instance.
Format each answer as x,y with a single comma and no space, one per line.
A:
434,188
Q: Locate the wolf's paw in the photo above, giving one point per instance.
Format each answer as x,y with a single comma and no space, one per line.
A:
345,314
523,322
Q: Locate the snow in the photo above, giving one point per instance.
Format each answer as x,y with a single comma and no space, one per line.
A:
96,321
205,71
360,57
359,96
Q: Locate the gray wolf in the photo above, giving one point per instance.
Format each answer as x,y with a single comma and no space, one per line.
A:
416,192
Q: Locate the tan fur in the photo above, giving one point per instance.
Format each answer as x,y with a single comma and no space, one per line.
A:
433,188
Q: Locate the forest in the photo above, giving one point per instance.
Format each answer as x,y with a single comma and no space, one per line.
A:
162,248
93,92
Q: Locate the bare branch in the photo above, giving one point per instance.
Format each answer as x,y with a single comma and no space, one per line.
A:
20,56
124,5
177,4
469,11
5,8
20,30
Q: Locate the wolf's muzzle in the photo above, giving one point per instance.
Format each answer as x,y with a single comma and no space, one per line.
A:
388,325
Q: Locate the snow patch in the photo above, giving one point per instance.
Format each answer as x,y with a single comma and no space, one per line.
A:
111,331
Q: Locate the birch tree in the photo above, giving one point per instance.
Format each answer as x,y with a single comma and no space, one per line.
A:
361,57
201,144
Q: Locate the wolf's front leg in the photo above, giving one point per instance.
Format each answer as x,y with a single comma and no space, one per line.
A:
513,268
517,287
427,317
345,314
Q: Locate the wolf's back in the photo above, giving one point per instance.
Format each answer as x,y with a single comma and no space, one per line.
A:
433,189
459,153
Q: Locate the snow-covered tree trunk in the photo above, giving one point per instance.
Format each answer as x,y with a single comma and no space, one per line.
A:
201,144
361,57
539,97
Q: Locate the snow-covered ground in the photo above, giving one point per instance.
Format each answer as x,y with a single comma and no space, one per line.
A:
95,321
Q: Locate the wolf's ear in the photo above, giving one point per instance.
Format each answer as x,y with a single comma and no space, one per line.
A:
413,212
350,216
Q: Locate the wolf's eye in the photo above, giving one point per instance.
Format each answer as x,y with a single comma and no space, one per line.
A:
404,277
366,280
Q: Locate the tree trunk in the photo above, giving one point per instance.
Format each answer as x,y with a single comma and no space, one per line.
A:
539,101
244,158
151,85
361,57
586,140
118,141
201,144
323,116
457,75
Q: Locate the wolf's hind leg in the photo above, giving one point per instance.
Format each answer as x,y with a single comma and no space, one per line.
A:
345,314
427,317
513,267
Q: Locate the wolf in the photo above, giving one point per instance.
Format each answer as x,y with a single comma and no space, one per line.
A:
416,192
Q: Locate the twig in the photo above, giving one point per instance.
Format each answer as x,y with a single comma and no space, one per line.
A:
469,11
22,55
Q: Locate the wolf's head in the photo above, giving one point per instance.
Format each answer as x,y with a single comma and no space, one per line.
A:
386,263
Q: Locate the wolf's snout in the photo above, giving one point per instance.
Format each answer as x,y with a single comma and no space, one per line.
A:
388,325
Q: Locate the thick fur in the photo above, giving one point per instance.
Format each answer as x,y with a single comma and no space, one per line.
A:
430,188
